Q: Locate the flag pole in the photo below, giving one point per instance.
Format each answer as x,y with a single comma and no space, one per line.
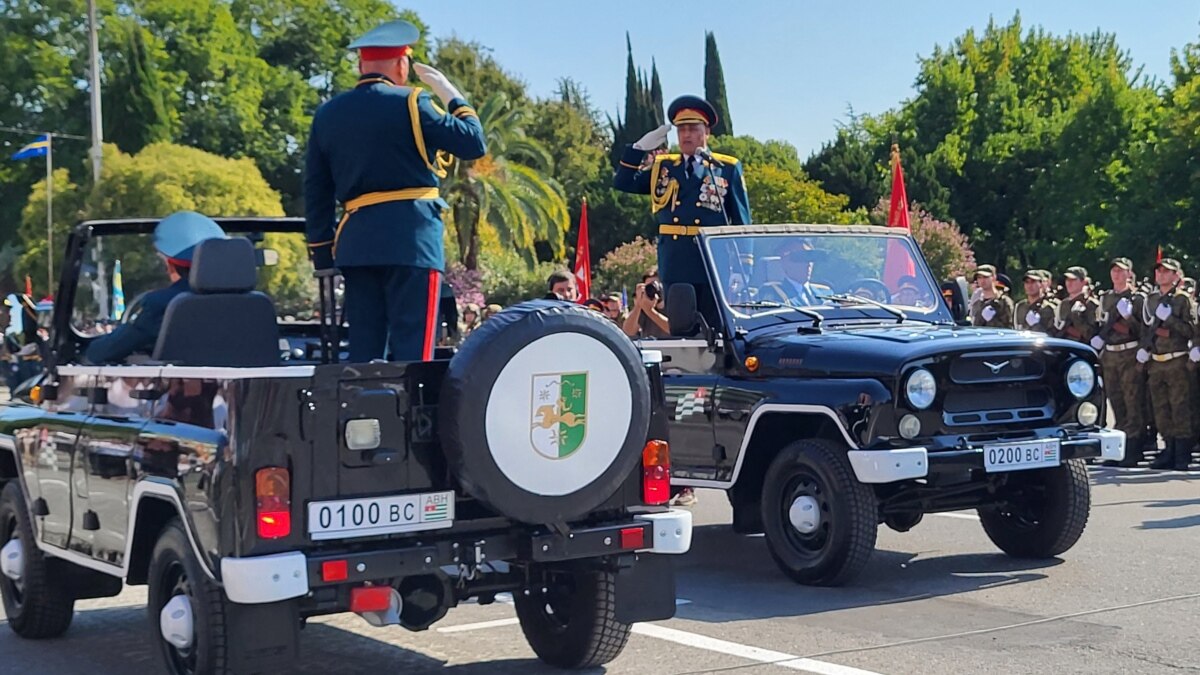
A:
50,214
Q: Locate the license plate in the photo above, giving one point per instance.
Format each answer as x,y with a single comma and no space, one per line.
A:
346,518
1020,456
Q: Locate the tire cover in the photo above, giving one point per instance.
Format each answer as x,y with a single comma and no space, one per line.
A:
544,411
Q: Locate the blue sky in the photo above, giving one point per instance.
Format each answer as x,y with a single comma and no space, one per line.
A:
792,68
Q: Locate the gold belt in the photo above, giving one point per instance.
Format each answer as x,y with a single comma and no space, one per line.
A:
1124,346
679,230
373,198
1163,358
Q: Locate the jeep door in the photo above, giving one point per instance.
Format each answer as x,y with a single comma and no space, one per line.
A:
51,446
689,377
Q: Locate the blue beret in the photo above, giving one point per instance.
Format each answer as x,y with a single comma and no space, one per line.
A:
176,235
398,33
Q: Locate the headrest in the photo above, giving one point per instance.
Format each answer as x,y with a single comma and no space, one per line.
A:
223,266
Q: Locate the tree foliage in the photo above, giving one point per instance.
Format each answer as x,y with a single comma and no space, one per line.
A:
714,86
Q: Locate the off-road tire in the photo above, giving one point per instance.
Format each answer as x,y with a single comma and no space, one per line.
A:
837,552
580,630
173,556
1052,522
43,608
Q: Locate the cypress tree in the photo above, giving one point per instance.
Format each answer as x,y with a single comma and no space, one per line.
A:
714,86
656,95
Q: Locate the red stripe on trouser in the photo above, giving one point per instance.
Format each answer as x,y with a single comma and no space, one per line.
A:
435,286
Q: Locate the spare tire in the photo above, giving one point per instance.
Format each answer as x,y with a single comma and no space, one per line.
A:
544,411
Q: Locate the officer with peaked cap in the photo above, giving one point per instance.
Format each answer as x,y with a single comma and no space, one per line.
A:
380,150
689,189
175,239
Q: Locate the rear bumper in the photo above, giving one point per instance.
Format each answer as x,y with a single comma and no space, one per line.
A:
894,465
282,576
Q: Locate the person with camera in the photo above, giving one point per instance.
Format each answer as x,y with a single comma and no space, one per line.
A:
646,318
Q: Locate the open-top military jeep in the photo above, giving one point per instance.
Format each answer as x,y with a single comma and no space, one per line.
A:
834,391
252,481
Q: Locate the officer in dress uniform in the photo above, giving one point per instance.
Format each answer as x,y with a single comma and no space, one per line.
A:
1170,318
381,150
1118,334
992,307
1038,310
690,189
1077,315
175,239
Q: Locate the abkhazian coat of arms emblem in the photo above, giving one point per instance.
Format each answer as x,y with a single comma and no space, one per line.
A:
559,419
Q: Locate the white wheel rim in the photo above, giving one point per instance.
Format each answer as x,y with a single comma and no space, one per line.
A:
12,560
805,514
177,623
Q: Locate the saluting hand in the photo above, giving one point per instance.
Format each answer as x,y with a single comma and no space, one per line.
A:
653,139
437,82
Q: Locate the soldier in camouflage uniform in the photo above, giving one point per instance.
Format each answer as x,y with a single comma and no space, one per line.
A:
1118,333
1038,310
1078,313
1170,317
993,307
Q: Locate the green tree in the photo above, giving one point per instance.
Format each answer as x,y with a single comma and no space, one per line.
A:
714,86
943,244
473,69
135,114
779,196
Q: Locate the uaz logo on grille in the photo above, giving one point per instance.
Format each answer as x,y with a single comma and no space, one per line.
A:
996,367
559,422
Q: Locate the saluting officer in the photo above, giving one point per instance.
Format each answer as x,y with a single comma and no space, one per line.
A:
690,189
381,150
1170,317
1118,334
1079,312
1038,310
993,307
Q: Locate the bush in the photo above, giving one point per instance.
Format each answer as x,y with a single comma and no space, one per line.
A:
506,279
945,247
622,268
467,284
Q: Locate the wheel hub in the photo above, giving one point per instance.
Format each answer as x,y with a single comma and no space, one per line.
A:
176,622
12,560
805,514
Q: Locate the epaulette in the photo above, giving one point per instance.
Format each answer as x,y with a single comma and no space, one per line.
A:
725,159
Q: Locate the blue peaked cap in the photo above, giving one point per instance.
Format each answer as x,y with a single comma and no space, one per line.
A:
398,33
177,235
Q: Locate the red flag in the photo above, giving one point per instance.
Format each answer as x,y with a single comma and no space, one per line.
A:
899,262
28,285
583,258
1159,258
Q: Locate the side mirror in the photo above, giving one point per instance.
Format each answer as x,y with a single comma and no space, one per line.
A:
681,310
956,293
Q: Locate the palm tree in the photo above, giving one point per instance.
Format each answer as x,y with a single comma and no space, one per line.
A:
509,189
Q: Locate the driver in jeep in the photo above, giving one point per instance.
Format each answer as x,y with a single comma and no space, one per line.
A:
175,238
796,258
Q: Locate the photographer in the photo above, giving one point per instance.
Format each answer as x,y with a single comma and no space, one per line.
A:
646,318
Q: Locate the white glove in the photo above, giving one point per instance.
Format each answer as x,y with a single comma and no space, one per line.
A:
1032,318
437,82
653,139
1194,355
1143,356
1078,307
988,313
1097,343
1163,312
28,350
1125,308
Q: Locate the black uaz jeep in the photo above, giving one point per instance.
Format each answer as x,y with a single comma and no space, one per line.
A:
832,390
252,481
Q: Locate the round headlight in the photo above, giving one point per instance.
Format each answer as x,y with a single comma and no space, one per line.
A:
1088,414
1081,379
920,389
910,427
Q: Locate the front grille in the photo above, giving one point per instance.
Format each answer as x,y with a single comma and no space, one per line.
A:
997,406
997,367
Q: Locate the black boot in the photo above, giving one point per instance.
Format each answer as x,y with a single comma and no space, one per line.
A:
1134,453
1166,458
1183,453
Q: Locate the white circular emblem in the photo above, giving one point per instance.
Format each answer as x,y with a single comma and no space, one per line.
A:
558,414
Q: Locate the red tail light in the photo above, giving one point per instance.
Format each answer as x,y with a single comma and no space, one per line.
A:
370,599
272,495
656,473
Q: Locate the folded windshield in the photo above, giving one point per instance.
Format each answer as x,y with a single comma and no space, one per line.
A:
825,270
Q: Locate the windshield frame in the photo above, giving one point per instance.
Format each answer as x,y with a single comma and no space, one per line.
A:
834,312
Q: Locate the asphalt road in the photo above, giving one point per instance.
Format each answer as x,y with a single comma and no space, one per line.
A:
938,599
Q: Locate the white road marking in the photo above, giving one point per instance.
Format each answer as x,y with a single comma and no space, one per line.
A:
963,516
478,626
758,654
